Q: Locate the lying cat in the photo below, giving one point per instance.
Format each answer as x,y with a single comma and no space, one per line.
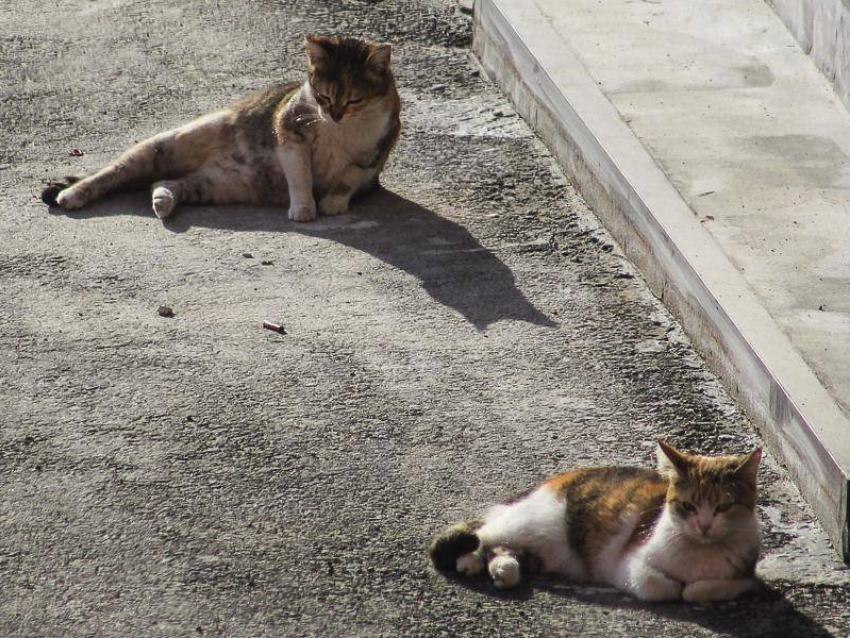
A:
685,531
327,138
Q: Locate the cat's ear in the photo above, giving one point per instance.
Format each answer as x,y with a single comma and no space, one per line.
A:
749,466
379,56
670,459
316,51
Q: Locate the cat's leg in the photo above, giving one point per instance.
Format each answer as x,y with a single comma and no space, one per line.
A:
338,197
171,153
125,170
220,182
643,581
705,591
294,158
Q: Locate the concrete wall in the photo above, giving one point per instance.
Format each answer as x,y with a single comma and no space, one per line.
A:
822,27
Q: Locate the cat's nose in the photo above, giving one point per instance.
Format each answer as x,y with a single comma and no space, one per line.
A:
704,526
336,115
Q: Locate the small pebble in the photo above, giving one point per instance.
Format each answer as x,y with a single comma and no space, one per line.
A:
266,262
75,152
247,255
439,88
165,311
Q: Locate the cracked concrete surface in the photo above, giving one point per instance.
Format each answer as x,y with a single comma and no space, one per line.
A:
461,335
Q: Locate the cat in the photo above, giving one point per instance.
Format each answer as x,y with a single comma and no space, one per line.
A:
325,140
687,530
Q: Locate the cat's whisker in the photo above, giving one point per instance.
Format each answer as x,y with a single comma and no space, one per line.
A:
310,119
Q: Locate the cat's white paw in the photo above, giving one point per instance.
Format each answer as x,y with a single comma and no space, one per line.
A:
505,571
709,591
470,564
333,205
657,588
71,198
700,591
302,212
163,201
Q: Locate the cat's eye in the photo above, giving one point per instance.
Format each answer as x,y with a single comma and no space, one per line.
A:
324,97
688,506
355,100
723,507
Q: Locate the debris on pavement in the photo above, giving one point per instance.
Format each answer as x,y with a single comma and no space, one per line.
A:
274,327
165,311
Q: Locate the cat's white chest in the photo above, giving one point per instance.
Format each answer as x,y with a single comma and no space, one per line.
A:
687,562
339,145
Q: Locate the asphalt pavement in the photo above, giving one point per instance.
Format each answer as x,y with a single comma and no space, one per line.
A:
462,334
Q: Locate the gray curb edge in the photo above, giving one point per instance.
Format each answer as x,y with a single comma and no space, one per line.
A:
800,422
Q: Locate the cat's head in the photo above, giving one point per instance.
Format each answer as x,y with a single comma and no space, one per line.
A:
709,496
347,75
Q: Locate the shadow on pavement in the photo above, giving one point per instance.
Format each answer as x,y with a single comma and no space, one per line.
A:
454,268
766,613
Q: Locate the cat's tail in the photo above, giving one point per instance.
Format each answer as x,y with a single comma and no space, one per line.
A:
452,543
48,195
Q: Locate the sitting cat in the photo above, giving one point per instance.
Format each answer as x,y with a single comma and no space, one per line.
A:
685,531
327,138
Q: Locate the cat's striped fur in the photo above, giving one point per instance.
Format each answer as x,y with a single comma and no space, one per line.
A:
293,145
686,530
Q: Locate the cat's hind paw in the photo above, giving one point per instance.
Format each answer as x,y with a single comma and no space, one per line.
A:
505,571
71,198
302,212
163,201
470,564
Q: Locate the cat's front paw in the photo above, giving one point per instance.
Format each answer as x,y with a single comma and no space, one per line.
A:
505,571
709,591
657,588
302,212
333,205
71,198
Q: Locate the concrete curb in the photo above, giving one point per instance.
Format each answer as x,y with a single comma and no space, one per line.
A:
800,422
820,28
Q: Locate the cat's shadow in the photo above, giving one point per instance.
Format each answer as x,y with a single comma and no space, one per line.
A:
766,613
452,266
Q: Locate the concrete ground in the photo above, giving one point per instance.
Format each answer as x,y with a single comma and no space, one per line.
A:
461,335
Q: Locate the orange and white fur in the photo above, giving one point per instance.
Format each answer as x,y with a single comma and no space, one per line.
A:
687,530
310,147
